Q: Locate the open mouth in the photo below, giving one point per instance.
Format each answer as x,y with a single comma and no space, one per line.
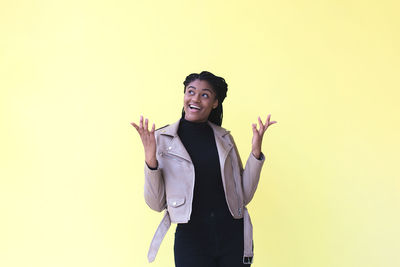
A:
194,107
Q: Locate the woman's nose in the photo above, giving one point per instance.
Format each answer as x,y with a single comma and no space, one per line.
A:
196,97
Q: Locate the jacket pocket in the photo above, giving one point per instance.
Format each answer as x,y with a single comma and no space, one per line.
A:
177,208
175,202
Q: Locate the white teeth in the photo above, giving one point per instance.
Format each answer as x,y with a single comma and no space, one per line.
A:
193,106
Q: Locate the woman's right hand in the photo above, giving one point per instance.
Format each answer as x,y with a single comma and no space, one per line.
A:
148,140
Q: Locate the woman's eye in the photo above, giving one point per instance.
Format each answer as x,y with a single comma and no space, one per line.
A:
190,92
205,95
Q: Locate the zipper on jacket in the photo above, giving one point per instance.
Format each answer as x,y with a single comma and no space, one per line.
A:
234,180
236,187
167,155
237,195
173,156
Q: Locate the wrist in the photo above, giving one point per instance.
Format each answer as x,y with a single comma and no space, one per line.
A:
151,162
256,154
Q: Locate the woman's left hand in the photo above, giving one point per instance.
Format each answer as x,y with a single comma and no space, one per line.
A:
258,135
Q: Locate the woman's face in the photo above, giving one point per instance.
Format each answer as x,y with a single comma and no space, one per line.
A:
198,101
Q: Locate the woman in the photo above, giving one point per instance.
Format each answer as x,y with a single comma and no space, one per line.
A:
193,170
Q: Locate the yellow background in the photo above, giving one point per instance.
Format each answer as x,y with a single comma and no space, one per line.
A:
74,74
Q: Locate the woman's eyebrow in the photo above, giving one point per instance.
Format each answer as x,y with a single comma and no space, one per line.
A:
204,89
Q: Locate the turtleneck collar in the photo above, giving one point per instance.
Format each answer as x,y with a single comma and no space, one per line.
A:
194,125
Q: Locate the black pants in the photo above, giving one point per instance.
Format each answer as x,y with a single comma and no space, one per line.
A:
209,242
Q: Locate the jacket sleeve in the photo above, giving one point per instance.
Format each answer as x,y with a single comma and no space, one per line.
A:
154,188
250,175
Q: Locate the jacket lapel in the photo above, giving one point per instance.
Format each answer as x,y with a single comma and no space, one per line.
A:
175,146
223,143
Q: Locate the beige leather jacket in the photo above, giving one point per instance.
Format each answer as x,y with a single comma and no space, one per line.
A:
170,186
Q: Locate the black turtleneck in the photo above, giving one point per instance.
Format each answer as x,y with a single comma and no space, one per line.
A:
209,197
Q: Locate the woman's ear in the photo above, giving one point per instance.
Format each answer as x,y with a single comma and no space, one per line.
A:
215,104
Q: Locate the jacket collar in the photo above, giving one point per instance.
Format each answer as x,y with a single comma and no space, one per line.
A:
177,148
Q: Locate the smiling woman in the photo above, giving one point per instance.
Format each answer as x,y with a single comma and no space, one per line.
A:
193,171
207,86
198,101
